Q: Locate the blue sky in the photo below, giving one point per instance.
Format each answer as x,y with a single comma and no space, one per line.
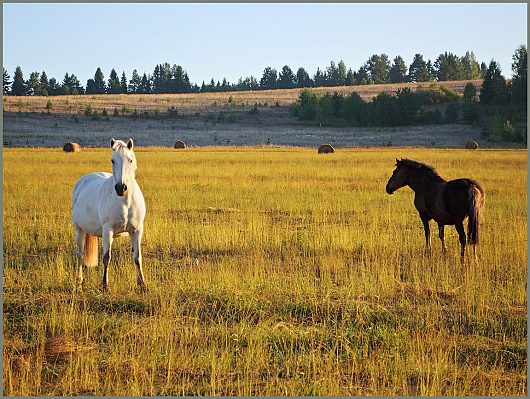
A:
238,40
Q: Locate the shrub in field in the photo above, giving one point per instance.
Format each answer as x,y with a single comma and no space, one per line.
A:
254,110
88,110
437,94
451,112
172,111
470,112
430,117
308,103
470,92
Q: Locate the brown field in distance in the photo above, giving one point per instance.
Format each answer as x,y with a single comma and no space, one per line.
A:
195,102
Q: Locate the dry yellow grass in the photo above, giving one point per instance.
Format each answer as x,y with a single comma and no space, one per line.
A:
310,279
190,103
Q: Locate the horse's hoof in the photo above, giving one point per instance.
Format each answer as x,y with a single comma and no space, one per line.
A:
142,288
104,288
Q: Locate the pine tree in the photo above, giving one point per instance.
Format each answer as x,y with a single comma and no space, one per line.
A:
470,66
32,85
361,76
44,85
519,70
331,75
6,82
319,79
398,71
99,82
19,87
135,82
123,83
113,86
341,73
448,67
483,68
350,78
71,85
90,86
379,68
53,87
494,89
302,78
287,78
180,82
157,80
419,70
145,86
269,79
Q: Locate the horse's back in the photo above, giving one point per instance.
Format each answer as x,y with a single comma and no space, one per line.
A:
84,201
87,183
456,195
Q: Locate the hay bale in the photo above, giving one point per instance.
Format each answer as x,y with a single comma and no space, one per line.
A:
179,144
471,145
72,147
326,149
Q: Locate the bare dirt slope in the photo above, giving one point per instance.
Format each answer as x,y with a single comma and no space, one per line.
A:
275,127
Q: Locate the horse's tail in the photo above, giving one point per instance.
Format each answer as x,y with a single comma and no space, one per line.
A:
91,251
476,199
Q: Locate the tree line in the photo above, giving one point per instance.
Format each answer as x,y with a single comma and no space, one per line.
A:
378,69
499,109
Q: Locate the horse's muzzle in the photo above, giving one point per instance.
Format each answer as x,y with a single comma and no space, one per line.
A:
120,189
389,190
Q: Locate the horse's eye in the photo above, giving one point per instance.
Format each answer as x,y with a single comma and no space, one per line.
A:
130,160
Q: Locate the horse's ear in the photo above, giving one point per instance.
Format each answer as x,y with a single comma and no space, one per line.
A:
398,162
130,144
112,142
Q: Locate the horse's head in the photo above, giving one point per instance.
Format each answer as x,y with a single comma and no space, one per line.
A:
123,165
398,178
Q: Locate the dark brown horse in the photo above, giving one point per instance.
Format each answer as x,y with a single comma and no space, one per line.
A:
447,202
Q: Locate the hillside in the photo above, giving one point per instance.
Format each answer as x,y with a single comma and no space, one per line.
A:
212,119
188,104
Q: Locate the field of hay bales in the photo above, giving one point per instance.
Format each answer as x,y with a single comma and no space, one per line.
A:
272,271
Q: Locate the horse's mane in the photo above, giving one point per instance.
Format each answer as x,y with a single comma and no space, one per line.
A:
119,145
422,168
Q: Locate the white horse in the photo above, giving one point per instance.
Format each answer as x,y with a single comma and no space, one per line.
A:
109,205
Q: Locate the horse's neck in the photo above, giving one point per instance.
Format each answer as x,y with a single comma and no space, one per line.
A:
419,183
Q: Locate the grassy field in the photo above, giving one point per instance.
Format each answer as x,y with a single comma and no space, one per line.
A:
310,280
125,104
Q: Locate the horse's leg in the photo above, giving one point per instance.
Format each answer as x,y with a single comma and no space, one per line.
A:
136,238
80,241
462,236
425,220
442,238
108,236
475,255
